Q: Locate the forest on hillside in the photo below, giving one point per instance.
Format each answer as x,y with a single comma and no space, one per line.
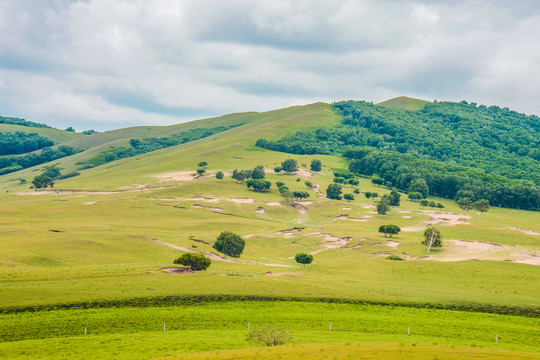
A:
459,149
21,122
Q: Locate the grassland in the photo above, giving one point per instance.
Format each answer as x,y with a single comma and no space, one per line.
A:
97,242
55,135
404,102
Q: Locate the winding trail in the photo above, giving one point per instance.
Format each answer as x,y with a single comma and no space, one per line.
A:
216,257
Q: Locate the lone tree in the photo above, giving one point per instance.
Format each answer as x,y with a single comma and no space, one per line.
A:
230,244
202,164
196,262
300,194
382,207
258,172
42,181
258,184
349,197
219,175
481,206
333,191
200,171
465,203
432,238
269,336
315,165
289,166
389,230
303,258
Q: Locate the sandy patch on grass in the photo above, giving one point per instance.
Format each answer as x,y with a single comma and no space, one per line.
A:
460,250
300,208
273,203
332,242
368,206
525,231
177,176
198,198
242,200
391,243
407,217
346,208
289,233
442,218
372,212
345,216
199,206
260,210
317,189
177,270
304,173
308,202
90,203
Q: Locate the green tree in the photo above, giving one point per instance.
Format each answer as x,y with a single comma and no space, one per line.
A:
202,164
349,197
196,262
432,238
258,184
432,204
303,258
230,244
383,208
300,194
389,230
277,169
424,202
289,165
258,172
200,171
465,203
219,175
333,191
70,129
315,165
481,206
414,196
367,194
42,181
419,186
279,184
394,198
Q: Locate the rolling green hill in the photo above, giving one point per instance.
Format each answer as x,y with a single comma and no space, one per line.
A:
404,102
93,256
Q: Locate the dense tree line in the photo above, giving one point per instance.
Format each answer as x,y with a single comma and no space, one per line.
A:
20,143
21,122
10,164
491,152
142,146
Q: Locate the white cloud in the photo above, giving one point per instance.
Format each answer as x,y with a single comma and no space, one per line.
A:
164,61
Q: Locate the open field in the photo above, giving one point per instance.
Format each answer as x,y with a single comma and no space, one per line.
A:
126,333
105,235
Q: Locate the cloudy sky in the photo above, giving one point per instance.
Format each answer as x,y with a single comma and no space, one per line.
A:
105,64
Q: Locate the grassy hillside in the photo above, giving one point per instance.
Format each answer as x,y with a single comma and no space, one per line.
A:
111,233
404,102
55,135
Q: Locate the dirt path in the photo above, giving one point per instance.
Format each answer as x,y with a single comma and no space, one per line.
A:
317,189
216,257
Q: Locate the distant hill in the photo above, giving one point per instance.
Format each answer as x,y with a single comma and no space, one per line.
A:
404,102
21,122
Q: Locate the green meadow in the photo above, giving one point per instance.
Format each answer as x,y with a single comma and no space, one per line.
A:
109,234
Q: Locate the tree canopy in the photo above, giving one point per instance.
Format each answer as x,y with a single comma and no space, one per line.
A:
229,244
196,262
303,258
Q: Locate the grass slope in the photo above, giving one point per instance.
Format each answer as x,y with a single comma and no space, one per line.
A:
404,102
55,135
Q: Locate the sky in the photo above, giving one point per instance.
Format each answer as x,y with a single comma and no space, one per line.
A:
102,64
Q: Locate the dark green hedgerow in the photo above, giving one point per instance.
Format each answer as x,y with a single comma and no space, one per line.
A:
161,301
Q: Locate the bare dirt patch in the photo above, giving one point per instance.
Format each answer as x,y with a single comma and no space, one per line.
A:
199,206
525,231
260,210
528,259
273,203
317,189
369,206
346,208
90,203
442,218
177,176
407,217
210,200
391,243
332,242
300,208
177,270
242,200
347,217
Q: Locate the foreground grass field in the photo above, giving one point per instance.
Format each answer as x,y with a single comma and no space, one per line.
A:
127,333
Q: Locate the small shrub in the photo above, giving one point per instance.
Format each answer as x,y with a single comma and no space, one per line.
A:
196,262
303,258
279,184
349,197
393,257
298,180
308,184
356,191
269,336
